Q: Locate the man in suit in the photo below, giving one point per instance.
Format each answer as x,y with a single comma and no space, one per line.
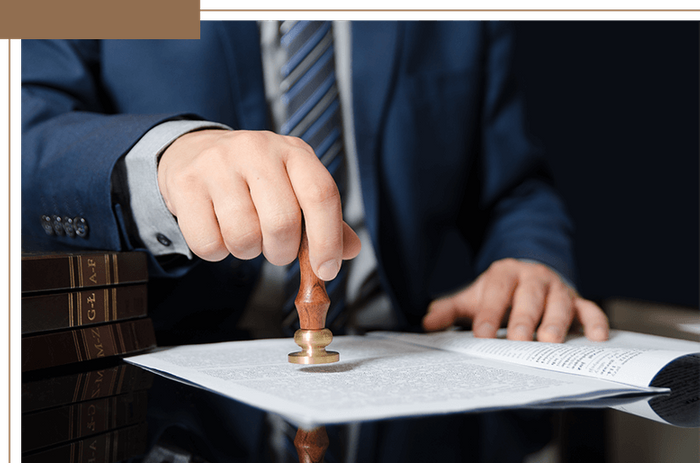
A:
457,212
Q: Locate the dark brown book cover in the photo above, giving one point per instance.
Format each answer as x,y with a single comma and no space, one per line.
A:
50,312
65,271
110,447
89,385
80,344
63,424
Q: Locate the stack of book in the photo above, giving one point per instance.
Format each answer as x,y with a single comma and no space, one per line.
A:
83,306
90,416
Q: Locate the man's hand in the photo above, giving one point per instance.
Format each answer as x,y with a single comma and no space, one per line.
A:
537,298
243,192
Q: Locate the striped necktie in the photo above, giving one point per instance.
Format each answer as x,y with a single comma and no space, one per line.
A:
309,108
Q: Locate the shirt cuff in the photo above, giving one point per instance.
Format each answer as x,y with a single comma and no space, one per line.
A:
157,227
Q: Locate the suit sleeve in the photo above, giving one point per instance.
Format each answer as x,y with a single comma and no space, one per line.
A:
72,139
523,216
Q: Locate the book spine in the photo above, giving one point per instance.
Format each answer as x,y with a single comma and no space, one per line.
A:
110,447
80,344
63,424
71,271
52,392
50,312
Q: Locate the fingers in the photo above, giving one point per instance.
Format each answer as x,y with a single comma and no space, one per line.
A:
199,226
278,212
499,284
319,199
595,323
443,312
351,243
238,219
485,302
528,306
558,313
245,192
331,240
539,302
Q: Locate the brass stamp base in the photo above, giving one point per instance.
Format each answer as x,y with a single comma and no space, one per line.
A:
313,344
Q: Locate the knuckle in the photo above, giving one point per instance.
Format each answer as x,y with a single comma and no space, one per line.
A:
298,143
283,224
541,272
322,192
502,266
183,180
251,137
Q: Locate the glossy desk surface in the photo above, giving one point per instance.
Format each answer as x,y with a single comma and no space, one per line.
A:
113,411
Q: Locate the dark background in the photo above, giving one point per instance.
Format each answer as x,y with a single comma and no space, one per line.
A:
616,107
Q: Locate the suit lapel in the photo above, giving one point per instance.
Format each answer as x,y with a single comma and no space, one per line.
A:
374,62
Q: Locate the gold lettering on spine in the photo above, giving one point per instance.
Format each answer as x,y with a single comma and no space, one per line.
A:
91,313
97,388
97,339
91,424
93,448
92,265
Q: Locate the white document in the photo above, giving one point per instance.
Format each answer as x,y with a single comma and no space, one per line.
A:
388,375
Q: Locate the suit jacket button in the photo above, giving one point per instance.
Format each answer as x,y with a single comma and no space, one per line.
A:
47,225
80,226
164,240
68,226
57,223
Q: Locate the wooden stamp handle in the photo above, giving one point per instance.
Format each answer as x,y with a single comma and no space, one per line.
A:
312,304
312,301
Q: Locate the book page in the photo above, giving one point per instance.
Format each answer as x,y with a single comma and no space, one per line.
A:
629,358
375,379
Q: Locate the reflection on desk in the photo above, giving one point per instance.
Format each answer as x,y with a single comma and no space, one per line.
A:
96,412
111,412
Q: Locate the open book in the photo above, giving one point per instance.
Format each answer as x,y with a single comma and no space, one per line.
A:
388,375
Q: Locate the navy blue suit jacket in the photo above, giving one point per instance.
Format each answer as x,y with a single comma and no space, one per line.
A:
450,181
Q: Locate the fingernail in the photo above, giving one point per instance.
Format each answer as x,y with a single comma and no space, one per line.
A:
328,270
